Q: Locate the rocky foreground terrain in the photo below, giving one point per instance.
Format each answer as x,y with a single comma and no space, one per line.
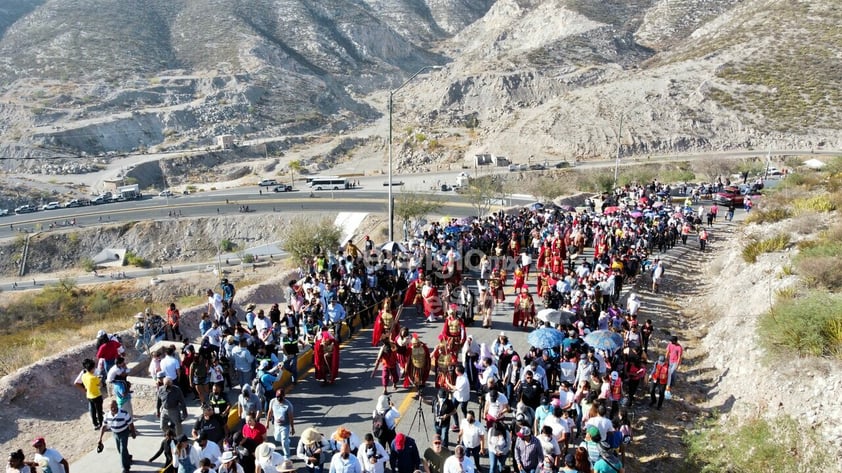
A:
549,79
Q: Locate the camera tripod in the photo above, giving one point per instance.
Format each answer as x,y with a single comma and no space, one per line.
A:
419,413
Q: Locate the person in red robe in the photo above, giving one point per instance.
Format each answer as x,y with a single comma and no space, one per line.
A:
388,360
557,264
520,277
418,364
453,331
386,325
543,255
326,357
432,302
524,313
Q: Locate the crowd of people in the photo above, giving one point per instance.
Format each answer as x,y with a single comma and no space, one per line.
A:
559,408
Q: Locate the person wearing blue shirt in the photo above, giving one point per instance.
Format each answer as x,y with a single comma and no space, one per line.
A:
205,324
243,361
267,378
250,316
334,315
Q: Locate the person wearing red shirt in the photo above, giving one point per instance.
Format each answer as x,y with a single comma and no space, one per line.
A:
389,361
254,433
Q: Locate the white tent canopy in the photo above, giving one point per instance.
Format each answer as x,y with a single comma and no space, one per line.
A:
814,164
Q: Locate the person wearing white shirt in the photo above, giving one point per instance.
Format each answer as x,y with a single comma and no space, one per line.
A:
170,364
459,462
496,406
207,449
472,436
461,390
372,456
214,308
489,372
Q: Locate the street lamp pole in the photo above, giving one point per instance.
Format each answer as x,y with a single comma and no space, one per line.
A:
619,142
391,204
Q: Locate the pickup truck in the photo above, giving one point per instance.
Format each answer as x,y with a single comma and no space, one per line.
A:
25,209
267,183
51,206
283,188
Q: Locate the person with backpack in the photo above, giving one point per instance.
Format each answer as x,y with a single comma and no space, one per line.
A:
659,378
384,419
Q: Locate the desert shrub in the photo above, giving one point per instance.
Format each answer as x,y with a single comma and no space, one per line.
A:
132,259
769,245
770,215
821,272
756,444
808,326
817,203
247,258
87,264
783,293
227,245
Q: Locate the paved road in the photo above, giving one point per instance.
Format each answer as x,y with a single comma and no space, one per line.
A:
347,403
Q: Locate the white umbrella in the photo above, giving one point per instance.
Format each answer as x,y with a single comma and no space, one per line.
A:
549,316
394,247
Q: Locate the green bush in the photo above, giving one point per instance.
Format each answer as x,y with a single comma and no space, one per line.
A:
807,326
769,245
87,264
227,245
779,445
302,235
247,258
133,259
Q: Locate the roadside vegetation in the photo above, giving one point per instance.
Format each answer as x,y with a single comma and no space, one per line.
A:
774,445
302,235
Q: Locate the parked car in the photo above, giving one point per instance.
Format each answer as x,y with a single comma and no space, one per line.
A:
735,194
267,183
522,167
51,206
283,188
165,193
562,164
394,183
72,203
536,167
4,212
103,199
25,209
513,167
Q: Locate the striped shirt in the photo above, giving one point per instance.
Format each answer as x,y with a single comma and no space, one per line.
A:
118,422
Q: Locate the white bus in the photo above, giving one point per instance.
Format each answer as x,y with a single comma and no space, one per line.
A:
328,183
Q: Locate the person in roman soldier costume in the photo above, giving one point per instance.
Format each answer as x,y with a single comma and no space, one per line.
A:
432,302
543,255
444,362
524,313
557,264
496,286
453,331
326,357
514,246
559,248
544,283
418,364
413,291
520,277
386,325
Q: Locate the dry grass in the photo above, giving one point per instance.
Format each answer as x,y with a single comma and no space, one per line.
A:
769,245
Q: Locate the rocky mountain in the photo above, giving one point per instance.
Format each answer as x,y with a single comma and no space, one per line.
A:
545,78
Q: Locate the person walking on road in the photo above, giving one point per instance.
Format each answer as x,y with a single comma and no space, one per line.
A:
659,379
121,425
171,408
675,352
282,412
56,462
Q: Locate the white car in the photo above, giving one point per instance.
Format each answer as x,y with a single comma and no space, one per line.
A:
165,193
268,183
51,206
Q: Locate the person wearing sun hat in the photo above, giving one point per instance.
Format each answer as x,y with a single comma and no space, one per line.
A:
313,450
267,460
229,462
